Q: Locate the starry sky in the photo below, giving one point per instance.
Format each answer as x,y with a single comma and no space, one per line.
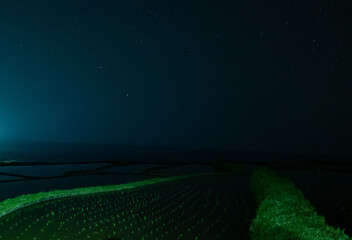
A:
243,75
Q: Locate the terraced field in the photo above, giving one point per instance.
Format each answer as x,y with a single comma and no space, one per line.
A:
208,207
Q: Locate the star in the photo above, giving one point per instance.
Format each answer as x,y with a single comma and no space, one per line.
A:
102,66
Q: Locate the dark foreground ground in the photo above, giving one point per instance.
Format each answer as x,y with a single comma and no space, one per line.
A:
328,187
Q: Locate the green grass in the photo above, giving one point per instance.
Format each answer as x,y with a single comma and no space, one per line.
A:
284,214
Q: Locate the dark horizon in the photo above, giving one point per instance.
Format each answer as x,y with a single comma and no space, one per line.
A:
89,152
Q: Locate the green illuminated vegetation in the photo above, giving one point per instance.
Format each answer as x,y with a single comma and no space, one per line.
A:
10,205
187,207
198,206
284,213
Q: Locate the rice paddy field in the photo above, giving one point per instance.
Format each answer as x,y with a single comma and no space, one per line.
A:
208,207
201,201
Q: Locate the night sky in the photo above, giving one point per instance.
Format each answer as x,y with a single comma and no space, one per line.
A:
243,75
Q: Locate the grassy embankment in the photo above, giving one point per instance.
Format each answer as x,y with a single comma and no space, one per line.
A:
284,214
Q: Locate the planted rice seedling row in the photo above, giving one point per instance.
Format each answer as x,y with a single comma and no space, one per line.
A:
199,208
